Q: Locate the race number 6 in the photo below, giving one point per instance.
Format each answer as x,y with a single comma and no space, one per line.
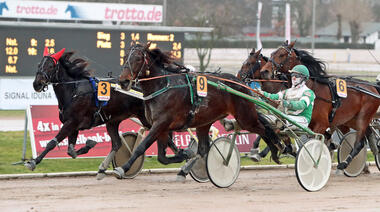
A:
341,88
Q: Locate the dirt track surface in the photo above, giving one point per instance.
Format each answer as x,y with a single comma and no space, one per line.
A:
255,190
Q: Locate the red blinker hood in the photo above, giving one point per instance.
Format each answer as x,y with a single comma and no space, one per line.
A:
56,56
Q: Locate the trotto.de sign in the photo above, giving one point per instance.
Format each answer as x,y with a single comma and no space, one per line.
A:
61,10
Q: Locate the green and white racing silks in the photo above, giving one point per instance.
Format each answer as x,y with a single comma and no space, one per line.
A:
297,101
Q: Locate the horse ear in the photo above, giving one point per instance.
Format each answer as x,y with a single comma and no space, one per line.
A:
252,52
258,53
133,43
46,51
58,55
148,45
291,45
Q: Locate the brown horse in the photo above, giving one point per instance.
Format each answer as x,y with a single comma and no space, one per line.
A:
72,84
250,74
355,111
171,104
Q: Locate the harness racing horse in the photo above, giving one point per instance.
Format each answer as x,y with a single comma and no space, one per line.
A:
172,105
250,73
355,111
78,110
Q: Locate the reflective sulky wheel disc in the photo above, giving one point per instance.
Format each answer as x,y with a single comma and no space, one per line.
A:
377,159
220,174
123,155
358,163
198,172
310,177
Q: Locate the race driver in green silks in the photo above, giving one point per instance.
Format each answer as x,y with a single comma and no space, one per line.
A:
298,101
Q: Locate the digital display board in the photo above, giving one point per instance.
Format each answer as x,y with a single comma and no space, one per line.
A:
104,47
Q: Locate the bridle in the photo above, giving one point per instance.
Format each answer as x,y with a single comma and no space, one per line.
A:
278,66
127,63
49,78
253,69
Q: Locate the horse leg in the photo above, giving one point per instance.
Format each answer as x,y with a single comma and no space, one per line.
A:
66,130
179,156
112,129
255,153
157,129
357,148
203,148
72,141
271,139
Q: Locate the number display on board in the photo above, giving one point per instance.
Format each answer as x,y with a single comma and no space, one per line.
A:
22,45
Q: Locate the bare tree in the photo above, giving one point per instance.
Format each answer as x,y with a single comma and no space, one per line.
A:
303,16
355,12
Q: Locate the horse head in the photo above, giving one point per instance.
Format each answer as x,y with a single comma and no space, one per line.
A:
251,66
136,64
281,61
47,70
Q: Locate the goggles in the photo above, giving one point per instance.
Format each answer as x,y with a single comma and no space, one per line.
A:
297,75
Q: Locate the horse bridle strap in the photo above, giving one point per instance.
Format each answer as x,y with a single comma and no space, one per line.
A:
279,66
46,76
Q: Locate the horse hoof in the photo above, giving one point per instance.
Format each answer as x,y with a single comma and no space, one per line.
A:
339,172
31,165
181,178
71,151
118,172
91,143
255,157
100,176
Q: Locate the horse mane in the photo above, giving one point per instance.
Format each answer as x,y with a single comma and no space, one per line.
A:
75,68
264,57
317,68
161,57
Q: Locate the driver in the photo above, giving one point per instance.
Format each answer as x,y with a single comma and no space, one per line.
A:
297,102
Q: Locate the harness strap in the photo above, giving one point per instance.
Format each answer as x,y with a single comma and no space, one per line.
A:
335,100
98,104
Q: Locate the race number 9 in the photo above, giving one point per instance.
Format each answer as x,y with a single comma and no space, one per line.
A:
104,91
201,86
341,88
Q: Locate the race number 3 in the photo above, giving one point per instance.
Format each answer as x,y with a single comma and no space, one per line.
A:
201,86
341,88
104,91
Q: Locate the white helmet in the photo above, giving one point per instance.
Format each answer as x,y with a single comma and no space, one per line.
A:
378,78
191,68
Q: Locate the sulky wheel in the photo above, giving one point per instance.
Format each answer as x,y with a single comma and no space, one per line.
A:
377,159
311,176
358,162
198,171
221,173
124,153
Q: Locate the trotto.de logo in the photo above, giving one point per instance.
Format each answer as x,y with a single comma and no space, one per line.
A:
81,10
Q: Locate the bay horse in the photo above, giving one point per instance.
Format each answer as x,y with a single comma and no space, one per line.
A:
250,73
172,105
355,111
78,109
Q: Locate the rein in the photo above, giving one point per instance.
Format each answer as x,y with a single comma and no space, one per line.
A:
242,85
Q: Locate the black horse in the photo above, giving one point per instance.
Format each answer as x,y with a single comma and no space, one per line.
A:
172,105
79,109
